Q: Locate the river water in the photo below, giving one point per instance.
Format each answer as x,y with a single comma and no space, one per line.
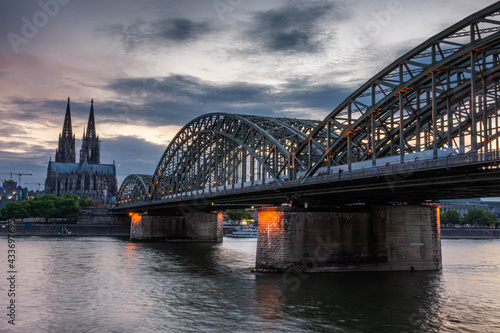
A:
106,284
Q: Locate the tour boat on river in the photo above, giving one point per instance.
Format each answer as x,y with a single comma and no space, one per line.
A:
243,233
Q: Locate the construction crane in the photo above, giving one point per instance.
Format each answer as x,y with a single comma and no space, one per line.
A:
36,184
23,174
7,173
18,174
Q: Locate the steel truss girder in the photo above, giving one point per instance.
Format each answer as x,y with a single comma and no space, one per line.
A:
134,189
364,124
448,99
222,149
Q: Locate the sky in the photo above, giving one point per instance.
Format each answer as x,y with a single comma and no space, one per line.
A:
152,66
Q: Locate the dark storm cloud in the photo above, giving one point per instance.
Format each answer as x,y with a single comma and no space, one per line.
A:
180,30
177,99
142,33
132,155
162,113
11,130
322,97
293,28
37,111
180,98
48,112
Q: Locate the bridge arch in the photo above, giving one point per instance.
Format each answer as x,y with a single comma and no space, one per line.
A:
135,188
440,97
219,150
443,94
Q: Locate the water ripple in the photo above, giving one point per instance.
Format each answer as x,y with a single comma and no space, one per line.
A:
107,284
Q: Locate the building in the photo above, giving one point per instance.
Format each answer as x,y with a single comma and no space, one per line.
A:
88,176
495,207
462,206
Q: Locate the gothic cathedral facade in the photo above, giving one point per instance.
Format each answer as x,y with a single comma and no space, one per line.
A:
89,176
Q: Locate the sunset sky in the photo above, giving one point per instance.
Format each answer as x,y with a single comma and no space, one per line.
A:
152,66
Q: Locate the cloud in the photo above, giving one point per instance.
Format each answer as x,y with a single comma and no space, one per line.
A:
153,34
320,99
35,162
180,30
293,28
178,99
35,114
132,155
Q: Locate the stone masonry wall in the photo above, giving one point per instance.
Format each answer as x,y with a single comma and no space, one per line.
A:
380,238
185,227
101,216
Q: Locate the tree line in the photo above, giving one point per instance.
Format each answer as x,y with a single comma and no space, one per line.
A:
46,206
473,216
237,215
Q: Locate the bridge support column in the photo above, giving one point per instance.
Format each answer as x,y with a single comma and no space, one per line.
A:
187,227
378,238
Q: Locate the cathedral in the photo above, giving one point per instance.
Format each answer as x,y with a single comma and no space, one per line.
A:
88,176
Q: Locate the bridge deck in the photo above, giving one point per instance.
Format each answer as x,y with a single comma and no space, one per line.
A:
458,176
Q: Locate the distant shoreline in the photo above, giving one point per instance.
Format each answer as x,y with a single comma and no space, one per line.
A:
76,229
469,233
46,229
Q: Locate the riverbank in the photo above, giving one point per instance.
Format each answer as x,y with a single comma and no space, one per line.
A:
75,229
43,229
455,233
90,222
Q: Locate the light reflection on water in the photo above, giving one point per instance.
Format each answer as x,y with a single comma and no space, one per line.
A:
83,284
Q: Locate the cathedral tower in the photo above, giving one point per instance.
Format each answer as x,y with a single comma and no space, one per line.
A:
89,176
65,151
90,142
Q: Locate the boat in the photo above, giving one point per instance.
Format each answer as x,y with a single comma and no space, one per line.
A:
65,232
244,233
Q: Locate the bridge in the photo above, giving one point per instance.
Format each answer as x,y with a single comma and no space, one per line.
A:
424,128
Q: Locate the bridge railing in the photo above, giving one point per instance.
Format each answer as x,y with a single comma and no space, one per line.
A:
472,158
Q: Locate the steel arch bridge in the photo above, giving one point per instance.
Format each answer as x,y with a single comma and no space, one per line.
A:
440,98
441,94
221,151
134,189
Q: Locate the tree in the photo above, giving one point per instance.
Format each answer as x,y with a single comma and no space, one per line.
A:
46,206
84,201
49,206
450,216
67,208
238,214
489,218
479,216
15,210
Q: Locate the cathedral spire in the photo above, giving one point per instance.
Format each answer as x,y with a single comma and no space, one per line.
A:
66,149
90,143
67,131
91,124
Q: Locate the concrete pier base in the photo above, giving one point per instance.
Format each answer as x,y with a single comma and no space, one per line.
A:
378,238
187,227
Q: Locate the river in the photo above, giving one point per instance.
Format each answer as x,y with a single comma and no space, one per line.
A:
106,284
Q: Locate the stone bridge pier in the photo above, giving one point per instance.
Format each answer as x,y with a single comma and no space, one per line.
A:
185,227
372,238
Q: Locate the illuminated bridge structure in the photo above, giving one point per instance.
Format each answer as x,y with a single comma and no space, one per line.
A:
439,101
425,127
